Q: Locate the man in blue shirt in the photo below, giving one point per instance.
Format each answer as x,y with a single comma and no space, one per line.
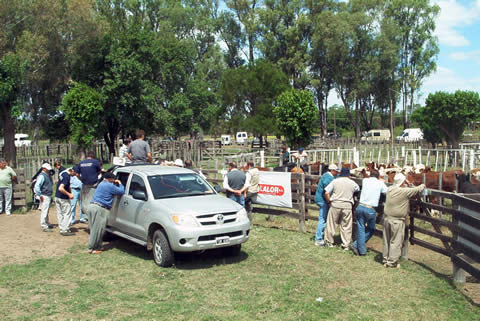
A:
44,190
372,187
99,209
326,179
63,196
76,186
88,171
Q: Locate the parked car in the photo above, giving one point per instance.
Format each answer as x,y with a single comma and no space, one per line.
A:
410,135
172,209
226,140
241,137
256,143
376,136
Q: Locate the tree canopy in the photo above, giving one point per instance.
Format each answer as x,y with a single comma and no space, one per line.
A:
446,115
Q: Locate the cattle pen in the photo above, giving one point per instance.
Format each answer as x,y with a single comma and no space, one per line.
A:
452,226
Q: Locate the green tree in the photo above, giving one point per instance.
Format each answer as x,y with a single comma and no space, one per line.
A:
414,22
446,115
82,106
248,93
295,111
11,81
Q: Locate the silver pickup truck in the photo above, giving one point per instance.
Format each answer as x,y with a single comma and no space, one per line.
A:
171,209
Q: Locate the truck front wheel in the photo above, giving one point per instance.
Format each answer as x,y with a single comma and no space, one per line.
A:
162,253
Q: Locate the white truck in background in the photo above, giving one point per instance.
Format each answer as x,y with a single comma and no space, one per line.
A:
410,135
20,140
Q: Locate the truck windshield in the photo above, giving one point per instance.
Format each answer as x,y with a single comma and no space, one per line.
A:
178,185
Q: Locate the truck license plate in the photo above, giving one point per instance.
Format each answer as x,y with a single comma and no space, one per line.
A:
223,240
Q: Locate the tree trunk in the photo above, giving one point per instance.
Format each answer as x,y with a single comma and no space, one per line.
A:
9,149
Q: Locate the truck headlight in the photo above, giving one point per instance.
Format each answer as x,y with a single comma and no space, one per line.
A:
184,220
242,215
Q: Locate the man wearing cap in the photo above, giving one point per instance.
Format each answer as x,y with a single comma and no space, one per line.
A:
339,195
326,179
63,195
7,177
99,209
372,187
139,151
44,190
395,214
235,182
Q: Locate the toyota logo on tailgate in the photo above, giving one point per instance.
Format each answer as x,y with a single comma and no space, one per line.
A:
220,219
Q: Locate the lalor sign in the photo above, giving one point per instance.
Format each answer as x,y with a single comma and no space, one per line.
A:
275,189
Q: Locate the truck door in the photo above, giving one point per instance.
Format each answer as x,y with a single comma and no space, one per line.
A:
132,212
112,217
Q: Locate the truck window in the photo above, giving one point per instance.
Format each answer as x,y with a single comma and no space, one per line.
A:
376,134
138,184
123,177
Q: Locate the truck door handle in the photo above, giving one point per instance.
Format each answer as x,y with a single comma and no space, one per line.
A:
125,202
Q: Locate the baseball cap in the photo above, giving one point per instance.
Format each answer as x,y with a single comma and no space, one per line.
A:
345,171
301,149
178,162
333,167
399,179
47,166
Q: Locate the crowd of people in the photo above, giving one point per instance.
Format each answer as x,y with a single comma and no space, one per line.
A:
335,198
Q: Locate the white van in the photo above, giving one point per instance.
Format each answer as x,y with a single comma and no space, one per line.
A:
376,136
410,135
241,137
22,140
226,140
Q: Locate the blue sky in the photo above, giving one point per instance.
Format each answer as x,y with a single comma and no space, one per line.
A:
458,64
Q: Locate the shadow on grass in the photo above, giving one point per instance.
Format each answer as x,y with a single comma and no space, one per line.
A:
184,261
207,259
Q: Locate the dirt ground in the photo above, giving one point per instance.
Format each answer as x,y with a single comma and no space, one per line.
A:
23,241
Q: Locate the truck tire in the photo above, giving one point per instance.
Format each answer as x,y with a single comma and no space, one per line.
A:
162,253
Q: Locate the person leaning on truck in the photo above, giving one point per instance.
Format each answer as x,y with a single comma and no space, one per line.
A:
395,213
7,177
99,209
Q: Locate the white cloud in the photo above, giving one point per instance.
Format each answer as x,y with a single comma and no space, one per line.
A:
466,56
452,16
448,80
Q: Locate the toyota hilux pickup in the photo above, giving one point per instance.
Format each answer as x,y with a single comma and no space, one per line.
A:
171,209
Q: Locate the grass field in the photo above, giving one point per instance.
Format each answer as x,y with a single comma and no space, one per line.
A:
278,276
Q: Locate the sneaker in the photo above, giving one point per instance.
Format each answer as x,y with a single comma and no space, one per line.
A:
83,221
8,214
48,229
95,252
354,249
67,233
320,243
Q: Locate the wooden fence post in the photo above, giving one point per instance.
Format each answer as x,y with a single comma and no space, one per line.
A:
302,202
458,273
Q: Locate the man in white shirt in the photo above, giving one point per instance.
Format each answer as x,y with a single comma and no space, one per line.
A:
372,187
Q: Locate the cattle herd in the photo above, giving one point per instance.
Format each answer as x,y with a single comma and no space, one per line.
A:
449,181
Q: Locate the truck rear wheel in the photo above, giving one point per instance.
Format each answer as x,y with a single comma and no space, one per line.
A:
162,253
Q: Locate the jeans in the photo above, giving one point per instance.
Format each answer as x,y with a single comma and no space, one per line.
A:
322,221
76,198
64,213
366,220
6,194
239,199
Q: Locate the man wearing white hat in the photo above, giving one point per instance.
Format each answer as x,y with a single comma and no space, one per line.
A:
322,203
396,211
44,190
